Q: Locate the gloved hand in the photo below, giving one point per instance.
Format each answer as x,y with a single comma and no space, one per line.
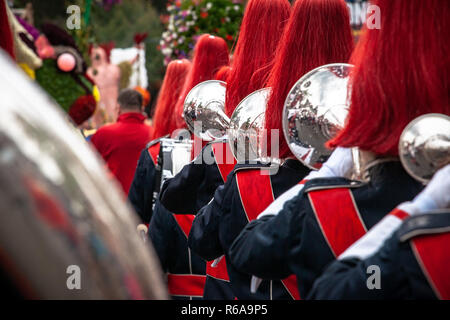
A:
436,194
339,164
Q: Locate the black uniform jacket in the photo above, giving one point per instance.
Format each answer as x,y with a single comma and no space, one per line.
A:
194,186
219,223
413,264
168,233
292,242
141,190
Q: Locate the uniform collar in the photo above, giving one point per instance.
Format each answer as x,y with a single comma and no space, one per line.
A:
389,170
131,117
293,163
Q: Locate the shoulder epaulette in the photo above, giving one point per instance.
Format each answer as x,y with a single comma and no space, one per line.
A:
429,223
252,166
153,142
331,183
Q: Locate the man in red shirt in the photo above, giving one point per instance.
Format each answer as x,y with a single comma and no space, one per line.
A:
120,144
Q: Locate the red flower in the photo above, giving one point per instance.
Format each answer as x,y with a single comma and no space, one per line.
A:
229,37
204,15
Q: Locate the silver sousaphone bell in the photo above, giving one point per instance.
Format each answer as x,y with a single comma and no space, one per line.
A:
315,110
64,224
204,110
246,131
424,146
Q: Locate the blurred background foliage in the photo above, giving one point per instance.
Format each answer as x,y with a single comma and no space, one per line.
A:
186,20
113,20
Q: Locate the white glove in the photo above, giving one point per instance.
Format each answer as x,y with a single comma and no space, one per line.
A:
436,194
340,164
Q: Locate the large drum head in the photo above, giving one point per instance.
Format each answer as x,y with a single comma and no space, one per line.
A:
315,110
65,228
424,146
204,110
246,133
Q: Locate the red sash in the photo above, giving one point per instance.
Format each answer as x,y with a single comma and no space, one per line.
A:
184,221
219,271
431,252
224,158
186,284
153,151
256,195
338,218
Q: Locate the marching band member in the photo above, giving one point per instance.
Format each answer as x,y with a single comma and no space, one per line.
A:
261,27
167,121
194,186
141,190
210,54
168,231
330,214
409,247
247,190
185,269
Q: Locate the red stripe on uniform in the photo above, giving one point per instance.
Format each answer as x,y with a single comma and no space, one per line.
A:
153,151
255,190
219,271
431,252
291,285
186,284
256,194
338,218
224,159
184,221
402,215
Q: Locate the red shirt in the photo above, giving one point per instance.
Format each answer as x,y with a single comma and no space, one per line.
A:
120,144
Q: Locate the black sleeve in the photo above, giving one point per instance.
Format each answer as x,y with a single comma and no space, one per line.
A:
161,231
136,195
179,194
352,278
204,237
263,247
